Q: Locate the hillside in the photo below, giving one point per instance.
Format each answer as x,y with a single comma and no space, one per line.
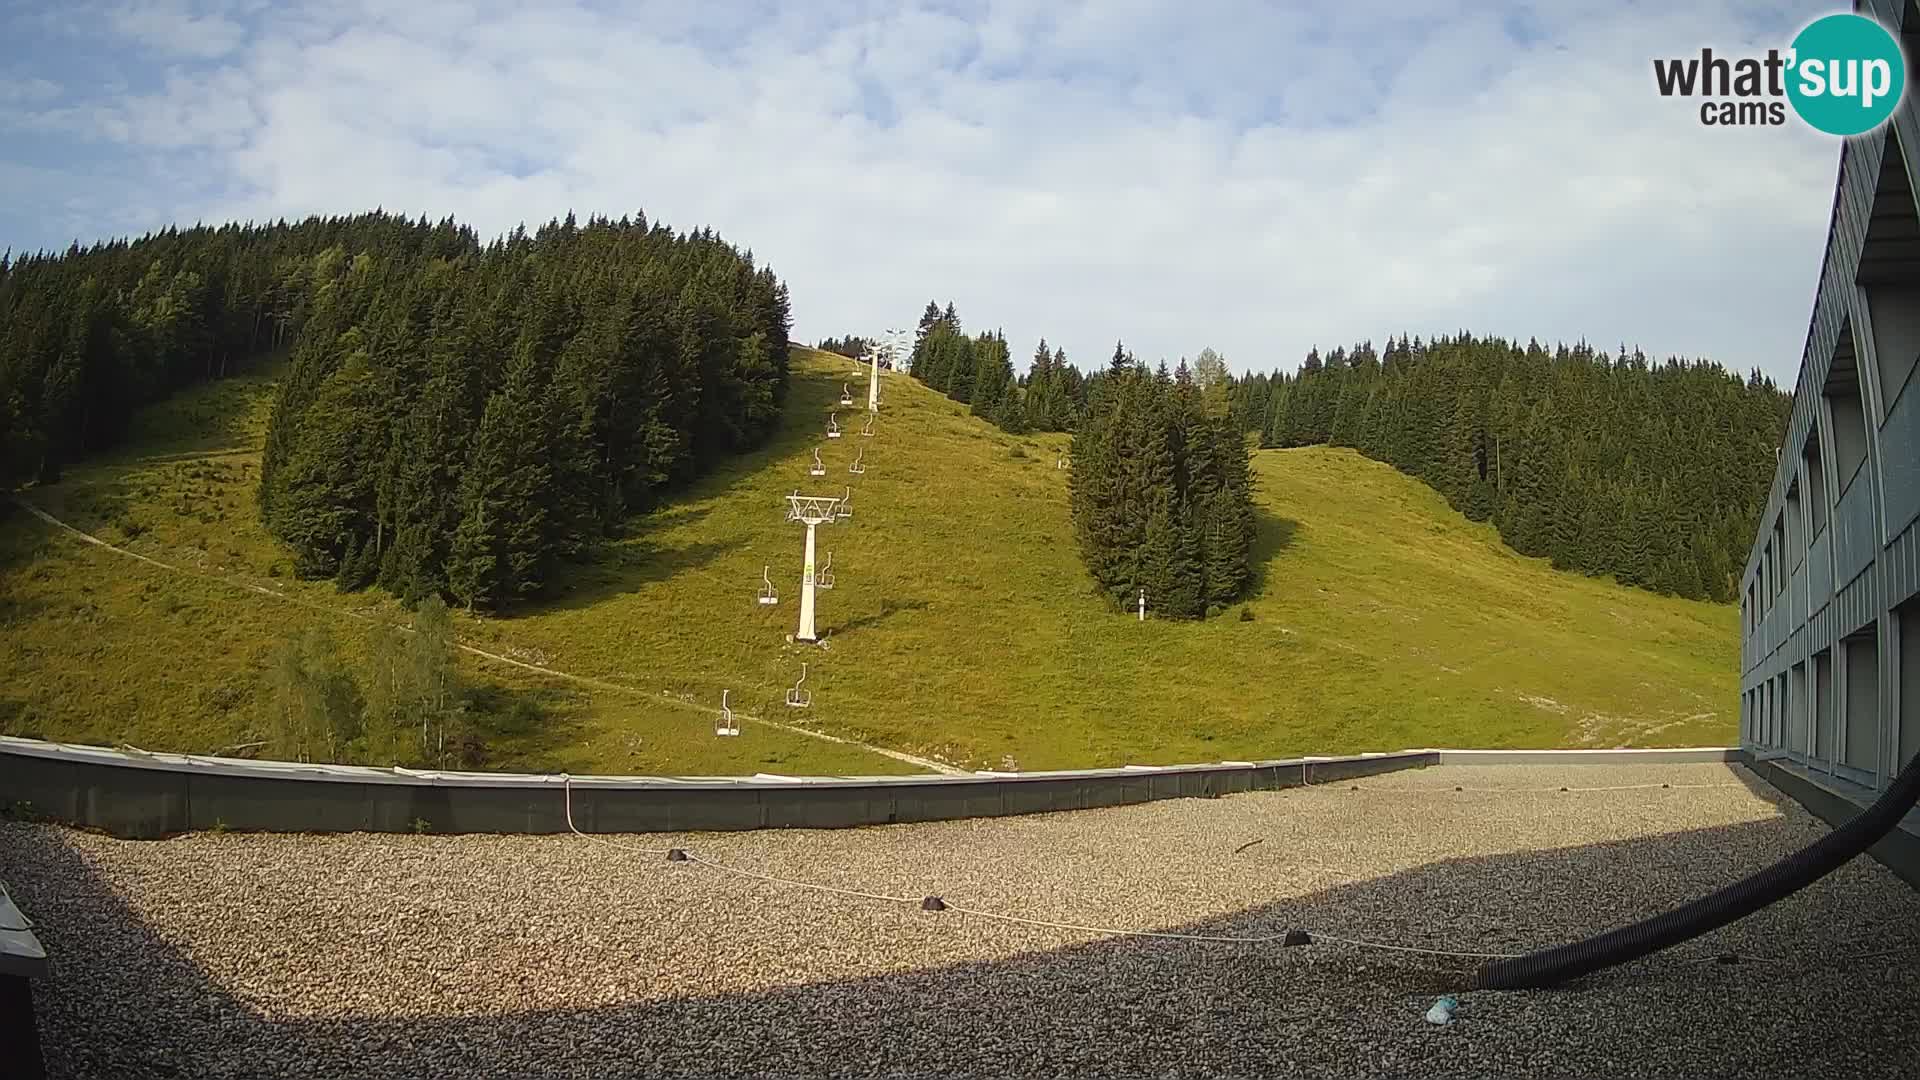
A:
962,625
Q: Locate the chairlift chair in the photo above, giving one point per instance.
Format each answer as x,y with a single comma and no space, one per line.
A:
797,697
768,595
833,426
823,577
846,398
726,725
845,509
818,468
868,430
857,468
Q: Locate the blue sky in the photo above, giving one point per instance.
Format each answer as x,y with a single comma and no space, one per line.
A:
1255,177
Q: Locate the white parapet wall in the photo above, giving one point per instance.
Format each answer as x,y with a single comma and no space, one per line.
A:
131,792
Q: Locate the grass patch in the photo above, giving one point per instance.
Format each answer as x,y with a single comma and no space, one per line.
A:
962,624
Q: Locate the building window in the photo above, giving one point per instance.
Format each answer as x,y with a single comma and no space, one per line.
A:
1796,542
1889,276
1782,559
1816,484
1861,652
1842,393
1767,577
1799,715
1825,720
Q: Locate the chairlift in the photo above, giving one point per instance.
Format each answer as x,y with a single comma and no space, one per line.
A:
833,426
823,577
845,509
797,697
846,397
868,430
1062,462
726,724
858,468
818,468
768,595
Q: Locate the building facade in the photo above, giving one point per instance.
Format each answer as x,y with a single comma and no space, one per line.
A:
1830,619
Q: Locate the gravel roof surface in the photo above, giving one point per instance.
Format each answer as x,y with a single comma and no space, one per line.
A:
379,955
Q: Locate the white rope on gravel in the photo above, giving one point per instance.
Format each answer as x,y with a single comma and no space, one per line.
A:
1165,935
567,782
835,889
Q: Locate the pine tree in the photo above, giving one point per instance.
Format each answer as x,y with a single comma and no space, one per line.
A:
1010,415
473,565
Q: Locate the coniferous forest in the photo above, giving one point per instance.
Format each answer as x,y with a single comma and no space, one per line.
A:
89,335
455,417
1609,465
978,372
1162,491
852,346
1654,474
455,425
1161,487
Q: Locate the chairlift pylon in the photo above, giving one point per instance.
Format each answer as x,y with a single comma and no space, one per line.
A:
858,467
797,697
833,425
823,577
846,398
768,594
868,429
726,725
818,468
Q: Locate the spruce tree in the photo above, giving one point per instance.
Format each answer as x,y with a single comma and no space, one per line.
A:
1010,415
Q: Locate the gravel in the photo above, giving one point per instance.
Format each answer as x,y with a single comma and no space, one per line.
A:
248,955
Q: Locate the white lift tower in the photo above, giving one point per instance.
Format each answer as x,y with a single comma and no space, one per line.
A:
813,511
874,352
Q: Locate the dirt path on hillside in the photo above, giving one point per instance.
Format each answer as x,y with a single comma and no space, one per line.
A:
584,680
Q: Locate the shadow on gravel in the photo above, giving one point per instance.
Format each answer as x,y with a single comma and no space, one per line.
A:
123,1002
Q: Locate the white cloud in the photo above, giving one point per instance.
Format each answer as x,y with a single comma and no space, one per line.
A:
23,89
1260,180
177,28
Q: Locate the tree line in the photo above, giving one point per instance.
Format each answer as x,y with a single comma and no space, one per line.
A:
456,424
978,371
455,417
90,334
1653,473
852,346
1161,486
1608,464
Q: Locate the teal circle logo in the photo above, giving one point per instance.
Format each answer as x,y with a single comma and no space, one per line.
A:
1846,74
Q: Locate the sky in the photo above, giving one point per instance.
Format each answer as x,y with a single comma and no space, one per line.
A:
1255,177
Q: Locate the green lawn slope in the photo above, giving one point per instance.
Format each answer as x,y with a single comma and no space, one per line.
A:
961,627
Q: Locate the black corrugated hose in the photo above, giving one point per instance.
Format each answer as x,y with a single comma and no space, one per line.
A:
1791,874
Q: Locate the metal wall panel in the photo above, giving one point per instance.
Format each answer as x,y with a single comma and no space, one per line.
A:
1900,454
1856,536
1820,572
1867,560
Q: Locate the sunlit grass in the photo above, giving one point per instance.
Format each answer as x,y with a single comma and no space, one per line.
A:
962,624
